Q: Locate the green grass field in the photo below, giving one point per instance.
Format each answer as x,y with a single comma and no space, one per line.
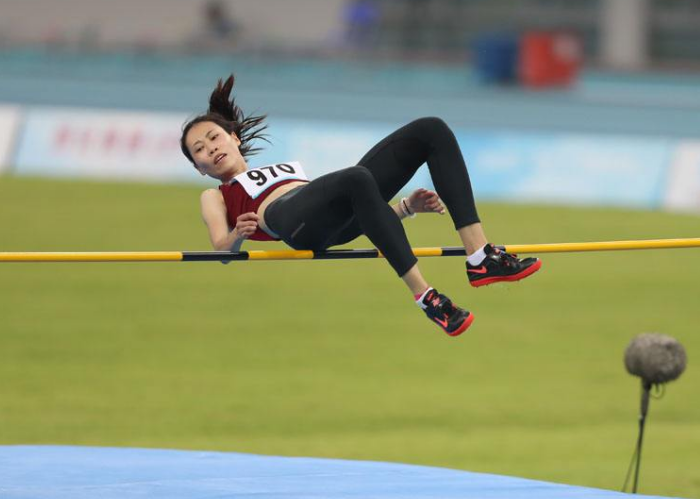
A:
332,359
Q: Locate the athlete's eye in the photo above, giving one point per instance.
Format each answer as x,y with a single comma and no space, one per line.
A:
214,136
197,150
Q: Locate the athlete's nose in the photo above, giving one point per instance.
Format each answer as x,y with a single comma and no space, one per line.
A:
212,150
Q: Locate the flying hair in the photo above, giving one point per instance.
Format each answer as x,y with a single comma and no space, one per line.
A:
224,112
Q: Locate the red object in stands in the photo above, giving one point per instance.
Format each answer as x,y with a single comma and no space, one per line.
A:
549,59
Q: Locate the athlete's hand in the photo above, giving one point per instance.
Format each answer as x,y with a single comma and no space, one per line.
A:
425,201
246,225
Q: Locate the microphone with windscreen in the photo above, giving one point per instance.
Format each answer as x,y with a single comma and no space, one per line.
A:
656,359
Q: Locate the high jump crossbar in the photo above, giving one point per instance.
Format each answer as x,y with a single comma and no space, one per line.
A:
340,254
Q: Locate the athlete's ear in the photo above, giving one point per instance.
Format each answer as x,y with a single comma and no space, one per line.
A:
235,138
201,172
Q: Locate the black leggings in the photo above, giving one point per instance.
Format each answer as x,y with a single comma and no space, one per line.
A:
336,208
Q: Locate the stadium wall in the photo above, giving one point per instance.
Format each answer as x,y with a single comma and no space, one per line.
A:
558,168
175,23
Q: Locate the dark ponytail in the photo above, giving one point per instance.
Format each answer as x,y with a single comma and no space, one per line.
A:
224,112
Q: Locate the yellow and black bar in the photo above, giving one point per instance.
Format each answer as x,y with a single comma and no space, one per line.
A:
341,254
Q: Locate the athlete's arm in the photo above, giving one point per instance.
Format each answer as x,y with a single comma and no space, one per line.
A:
214,215
425,201
421,201
397,209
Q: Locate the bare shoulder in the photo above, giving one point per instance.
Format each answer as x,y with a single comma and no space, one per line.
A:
212,205
211,199
210,195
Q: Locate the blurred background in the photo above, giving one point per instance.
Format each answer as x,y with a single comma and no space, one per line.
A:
579,120
533,88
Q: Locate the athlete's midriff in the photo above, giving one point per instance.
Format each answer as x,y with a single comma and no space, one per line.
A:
238,201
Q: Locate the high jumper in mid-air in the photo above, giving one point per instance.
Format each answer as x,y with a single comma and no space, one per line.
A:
278,202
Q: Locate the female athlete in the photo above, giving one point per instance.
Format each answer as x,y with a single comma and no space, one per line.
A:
277,202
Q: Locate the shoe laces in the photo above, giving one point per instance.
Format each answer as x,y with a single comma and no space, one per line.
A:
442,305
508,259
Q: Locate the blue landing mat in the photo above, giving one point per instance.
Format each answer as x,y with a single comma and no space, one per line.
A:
53,472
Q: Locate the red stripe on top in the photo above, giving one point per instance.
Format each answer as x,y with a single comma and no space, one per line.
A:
238,201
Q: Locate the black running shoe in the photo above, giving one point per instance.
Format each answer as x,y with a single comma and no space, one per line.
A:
499,266
452,319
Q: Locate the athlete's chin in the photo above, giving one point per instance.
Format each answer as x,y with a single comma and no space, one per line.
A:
238,169
224,172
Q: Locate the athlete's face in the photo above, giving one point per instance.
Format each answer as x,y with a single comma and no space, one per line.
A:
214,151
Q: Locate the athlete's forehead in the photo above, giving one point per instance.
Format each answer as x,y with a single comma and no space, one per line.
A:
200,131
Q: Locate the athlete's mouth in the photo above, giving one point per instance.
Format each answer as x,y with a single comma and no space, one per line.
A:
219,158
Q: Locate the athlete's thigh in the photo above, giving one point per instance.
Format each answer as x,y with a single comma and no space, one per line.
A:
312,215
395,159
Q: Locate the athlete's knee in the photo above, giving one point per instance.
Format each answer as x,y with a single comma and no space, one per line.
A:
433,122
358,178
433,127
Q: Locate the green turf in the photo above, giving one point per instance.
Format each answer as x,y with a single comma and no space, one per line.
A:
332,358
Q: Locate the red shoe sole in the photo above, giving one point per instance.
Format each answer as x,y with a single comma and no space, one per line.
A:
515,277
464,326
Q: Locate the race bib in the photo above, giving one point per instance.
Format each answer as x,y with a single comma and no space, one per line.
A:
257,180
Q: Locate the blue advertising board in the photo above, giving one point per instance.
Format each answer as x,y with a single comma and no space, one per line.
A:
557,168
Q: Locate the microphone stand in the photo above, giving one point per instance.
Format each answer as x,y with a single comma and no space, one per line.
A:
646,388
637,455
